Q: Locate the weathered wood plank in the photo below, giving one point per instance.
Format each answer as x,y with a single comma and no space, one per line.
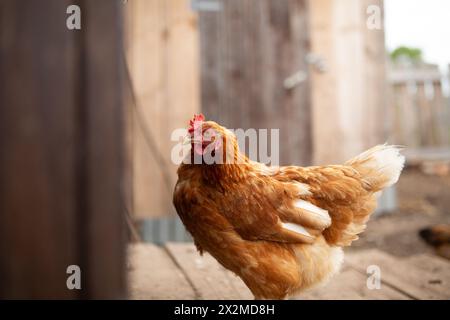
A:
422,111
410,280
38,153
62,150
437,266
179,272
351,285
162,53
209,278
403,75
152,274
101,149
352,89
248,49
418,156
405,115
441,114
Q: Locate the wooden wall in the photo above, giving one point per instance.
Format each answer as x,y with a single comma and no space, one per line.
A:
248,49
349,99
162,52
234,62
61,142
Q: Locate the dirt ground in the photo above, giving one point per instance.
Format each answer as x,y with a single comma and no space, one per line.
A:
423,200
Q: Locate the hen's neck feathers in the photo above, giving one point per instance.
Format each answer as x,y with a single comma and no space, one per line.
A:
222,175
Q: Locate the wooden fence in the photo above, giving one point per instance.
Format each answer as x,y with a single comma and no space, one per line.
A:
420,111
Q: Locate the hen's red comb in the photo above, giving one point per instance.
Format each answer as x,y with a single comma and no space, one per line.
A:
195,122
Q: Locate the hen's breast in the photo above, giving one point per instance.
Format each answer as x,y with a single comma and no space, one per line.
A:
318,263
238,228
274,270
269,269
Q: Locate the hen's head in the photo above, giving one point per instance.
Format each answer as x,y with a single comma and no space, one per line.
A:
211,139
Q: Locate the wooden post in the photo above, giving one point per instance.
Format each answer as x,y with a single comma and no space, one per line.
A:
248,49
162,52
349,99
61,141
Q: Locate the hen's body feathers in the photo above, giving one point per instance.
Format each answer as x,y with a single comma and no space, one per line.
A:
281,228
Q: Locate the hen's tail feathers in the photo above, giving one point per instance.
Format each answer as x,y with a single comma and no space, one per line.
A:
380,166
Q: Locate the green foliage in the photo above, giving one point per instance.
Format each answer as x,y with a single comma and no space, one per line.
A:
413,55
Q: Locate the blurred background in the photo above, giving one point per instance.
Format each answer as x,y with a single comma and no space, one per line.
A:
332,79
86,117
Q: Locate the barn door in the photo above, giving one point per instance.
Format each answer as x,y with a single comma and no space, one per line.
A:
254,70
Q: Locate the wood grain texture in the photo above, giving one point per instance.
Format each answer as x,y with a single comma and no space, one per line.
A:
415,282
162,52
349,104
102,148
420,111
38,151
351,285
179,272
61,142
435,265
209,279
247,51
152,274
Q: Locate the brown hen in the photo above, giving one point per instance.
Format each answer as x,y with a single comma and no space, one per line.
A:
281,229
